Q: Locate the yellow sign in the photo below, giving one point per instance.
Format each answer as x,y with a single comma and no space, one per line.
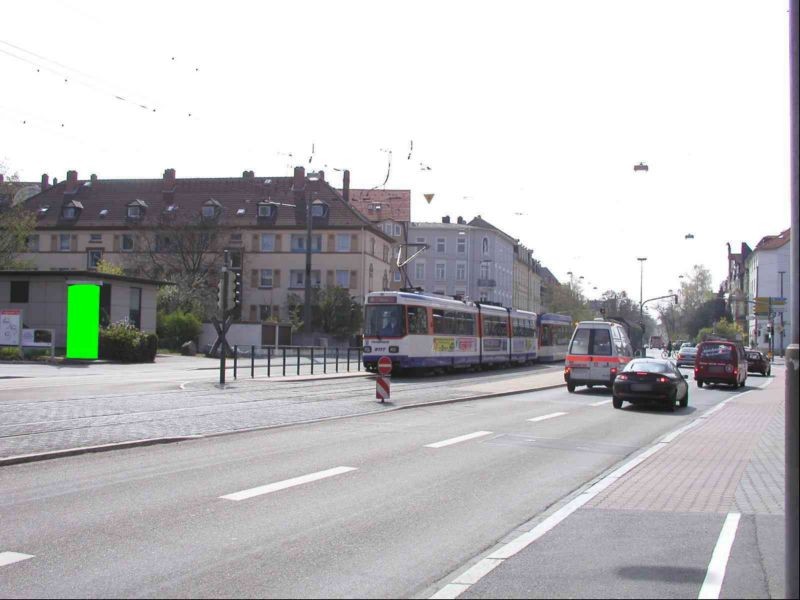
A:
444,344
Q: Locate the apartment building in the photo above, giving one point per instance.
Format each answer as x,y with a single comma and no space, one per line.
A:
260,221
527,281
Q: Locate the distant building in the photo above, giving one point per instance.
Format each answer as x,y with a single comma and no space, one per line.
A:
768,275
736,285
527,281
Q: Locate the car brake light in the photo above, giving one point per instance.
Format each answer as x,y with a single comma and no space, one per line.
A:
662,380
622,377
567,370
613,370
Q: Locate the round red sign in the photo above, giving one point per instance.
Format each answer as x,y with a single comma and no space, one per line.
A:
384,365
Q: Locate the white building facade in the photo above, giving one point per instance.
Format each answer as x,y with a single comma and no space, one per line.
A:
768,276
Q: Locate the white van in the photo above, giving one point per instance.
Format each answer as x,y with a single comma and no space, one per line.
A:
597,351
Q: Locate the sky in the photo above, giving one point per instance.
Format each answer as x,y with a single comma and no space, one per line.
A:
530,114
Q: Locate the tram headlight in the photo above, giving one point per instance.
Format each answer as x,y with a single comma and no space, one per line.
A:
394,349
367,349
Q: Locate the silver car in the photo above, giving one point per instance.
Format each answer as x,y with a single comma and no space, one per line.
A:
686,356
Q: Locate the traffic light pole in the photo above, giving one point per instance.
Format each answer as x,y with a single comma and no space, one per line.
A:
223,318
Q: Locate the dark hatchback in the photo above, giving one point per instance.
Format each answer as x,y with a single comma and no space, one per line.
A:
651,379
757,362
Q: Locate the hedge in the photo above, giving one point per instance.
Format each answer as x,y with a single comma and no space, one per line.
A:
125,343
176,328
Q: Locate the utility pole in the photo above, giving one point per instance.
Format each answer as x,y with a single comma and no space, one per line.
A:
223,317
783,347
792,464
641,260
307,302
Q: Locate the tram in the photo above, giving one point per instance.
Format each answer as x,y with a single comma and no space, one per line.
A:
555,332
429,331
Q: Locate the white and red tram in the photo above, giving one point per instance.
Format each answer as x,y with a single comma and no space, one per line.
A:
418,331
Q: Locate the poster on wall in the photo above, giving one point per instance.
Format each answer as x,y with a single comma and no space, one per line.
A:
10,326
37,338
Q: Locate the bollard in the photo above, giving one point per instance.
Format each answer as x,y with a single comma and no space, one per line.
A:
235,355
337,359
284,362
358,351
252,362
325,360
298,360
312,360
348,359
269,359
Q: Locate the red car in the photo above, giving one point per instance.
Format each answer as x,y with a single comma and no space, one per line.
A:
720,361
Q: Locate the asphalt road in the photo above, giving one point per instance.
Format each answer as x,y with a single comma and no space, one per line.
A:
414,505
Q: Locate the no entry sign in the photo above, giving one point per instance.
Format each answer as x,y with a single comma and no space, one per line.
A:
385,365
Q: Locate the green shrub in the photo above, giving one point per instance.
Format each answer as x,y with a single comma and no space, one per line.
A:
177,327
10,353
123,342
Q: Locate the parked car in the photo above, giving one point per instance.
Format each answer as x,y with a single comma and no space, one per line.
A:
720,361
686,356
758,362
649,379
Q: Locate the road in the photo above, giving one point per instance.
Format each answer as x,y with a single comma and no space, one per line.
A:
417,494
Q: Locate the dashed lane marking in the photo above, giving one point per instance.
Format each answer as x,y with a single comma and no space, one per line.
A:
287,483
719,559
545,417
456,440
9,558
601,403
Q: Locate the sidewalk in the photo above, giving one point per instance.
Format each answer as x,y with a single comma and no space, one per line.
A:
650,528
30,428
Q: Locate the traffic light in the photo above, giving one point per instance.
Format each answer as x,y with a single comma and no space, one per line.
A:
676,299
237,289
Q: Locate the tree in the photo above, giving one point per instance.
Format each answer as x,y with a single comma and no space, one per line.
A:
104,266
16,224
568,299
333,311
724,328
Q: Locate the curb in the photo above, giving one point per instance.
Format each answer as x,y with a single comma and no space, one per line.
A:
28,458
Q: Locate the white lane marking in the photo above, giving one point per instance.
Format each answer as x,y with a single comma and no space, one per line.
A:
9,558
456,440
474,573
671,436
453,590
719,558
601,403
183,385
545,417
766,383
287,483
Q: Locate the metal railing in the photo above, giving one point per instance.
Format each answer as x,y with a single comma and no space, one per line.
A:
335,360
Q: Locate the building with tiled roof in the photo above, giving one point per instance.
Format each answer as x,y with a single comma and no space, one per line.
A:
260,221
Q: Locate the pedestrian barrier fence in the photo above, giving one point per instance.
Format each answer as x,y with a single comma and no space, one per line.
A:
283,359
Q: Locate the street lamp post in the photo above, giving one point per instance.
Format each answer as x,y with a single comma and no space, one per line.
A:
641,260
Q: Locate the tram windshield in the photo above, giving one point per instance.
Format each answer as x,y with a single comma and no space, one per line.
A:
384,321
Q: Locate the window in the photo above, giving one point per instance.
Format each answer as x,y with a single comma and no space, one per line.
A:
135,312
440,245
265,210
441,271
64,242
127,242
93,257
385,253
398,231
297,278
268,242
343,278
69,212
209,212
342,242
461,271
420,240
319,209
384,321
496,326
266,278
372,246
32,243
20,291
387,228
235,257
236,238
484,270
134,212
398,277
485,246
419,270
453,322
264,312
95,238
417,320
299,243
461,245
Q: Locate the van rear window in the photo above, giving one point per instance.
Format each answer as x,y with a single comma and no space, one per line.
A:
716,351
595,342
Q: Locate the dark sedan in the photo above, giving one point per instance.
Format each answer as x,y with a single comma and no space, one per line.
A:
651,379
757,362
686,356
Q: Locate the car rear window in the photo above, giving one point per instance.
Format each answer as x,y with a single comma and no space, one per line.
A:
595,342
716,351
648,366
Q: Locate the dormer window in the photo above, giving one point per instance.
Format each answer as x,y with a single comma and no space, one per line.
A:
266,210
319,209
135,210
211,209
209,212
69,212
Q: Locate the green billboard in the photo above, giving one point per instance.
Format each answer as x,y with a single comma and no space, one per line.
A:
83,320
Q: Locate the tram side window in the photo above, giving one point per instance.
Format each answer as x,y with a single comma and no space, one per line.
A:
452,322
417,320
466,324
495,326
522,328
547,335
562,334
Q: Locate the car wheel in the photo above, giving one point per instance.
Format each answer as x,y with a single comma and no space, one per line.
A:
571,387
769,372
699,383
617,402
671,404
685,399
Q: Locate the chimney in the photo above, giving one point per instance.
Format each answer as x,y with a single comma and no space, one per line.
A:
446,219
169,179
299,182
45,181
93,178
248,174
321,175
55,180
461,221
346,185
72,181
